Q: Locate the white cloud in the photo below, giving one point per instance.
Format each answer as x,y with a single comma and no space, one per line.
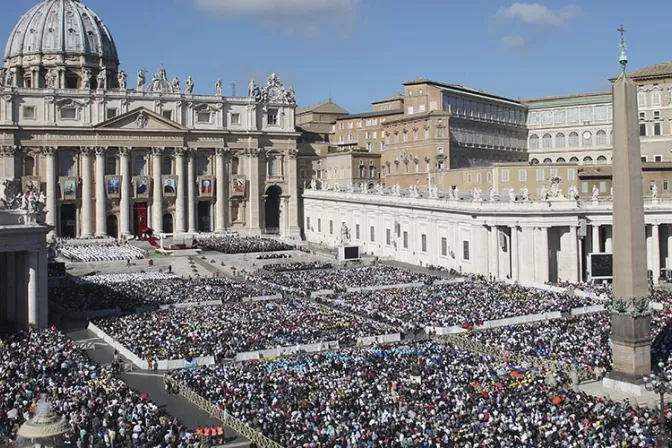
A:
305,17
538,14
514,41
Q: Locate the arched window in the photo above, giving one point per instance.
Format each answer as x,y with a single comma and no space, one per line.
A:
547,141
573,139
560,160
67,164
110,166
534,141
362,171
372,172
574,160
547,160
166,165
601,138
28,166
587,138
202,165
601,160
587,159
274,166
139,167
560,140
235,166
534,161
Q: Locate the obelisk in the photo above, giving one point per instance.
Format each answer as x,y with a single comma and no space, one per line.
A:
631,318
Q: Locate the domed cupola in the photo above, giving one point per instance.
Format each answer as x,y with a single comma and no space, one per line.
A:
61,44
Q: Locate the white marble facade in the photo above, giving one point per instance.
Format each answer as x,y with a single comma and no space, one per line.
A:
533,242
114,159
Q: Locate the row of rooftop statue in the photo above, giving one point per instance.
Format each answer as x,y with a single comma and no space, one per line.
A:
553,192
272,91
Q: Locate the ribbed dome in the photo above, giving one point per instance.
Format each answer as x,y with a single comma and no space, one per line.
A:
62,27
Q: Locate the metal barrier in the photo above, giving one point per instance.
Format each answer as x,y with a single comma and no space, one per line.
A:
257,438
576,373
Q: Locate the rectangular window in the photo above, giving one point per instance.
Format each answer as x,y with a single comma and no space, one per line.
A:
372,236
356,231
423,242
540,174
465,250
642,130
479,177
656,115
603,187
29,112
584,187
350,125
658,158
68,113
319,225
666,185
388,236
468,178
110,113
167,114
341,126
272,117
410,110
405,240
308,222
645,159
439,132
421,108
522,175
235,119
505,175
359,124
331,227
444,246
571,174
642,115
489,177
657,130
553,172
203,117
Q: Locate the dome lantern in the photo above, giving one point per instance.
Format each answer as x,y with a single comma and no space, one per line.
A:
56,42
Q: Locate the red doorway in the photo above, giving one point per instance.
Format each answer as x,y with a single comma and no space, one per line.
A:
140,217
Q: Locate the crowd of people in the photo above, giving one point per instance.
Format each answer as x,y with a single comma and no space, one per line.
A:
110,279
340,279
425,395
108,251
453,304
298,266
582,340
224,331
101,409
240,245
103,292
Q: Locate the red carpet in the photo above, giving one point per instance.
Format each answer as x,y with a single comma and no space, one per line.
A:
153,242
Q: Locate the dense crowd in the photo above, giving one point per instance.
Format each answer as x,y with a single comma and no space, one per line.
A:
223,331
372,398
240,245
109,279
101,252
341,279
583,340
138,291
101,409
274,256
453,304
297,266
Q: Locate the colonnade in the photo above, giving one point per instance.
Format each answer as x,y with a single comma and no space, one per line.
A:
23,289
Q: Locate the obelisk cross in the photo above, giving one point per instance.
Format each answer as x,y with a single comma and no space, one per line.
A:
623,59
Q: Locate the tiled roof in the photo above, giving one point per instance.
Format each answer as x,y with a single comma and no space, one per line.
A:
389,98
565,97
653,71
326,107
379,113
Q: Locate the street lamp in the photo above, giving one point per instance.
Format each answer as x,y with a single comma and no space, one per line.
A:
661,384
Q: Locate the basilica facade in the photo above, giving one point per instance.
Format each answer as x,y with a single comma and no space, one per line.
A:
115,159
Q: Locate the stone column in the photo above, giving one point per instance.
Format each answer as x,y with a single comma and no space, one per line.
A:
220,182
87,193
608,233
101,199
668,260
157,191
125,201
527,255
180,200
514,254
573,256
596,238
191,192
254,198
42,289
32,266
541,255
21,289
292,211
51,218
493,254
9,292
655,252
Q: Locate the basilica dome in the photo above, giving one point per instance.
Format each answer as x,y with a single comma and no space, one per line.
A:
60,34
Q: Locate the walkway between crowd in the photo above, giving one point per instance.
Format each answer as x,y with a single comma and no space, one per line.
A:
152,383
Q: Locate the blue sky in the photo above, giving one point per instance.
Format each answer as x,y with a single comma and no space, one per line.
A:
362,50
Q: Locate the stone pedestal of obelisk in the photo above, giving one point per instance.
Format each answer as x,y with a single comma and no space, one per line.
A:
631,318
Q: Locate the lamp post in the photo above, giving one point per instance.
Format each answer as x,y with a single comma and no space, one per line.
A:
661,384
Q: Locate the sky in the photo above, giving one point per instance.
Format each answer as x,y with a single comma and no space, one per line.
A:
359,51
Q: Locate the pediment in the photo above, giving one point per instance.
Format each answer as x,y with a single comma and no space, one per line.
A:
141,119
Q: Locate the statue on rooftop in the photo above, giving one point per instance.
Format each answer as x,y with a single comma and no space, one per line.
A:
189,84
86,78
596,193
142,78
218,88
121,78
176,85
